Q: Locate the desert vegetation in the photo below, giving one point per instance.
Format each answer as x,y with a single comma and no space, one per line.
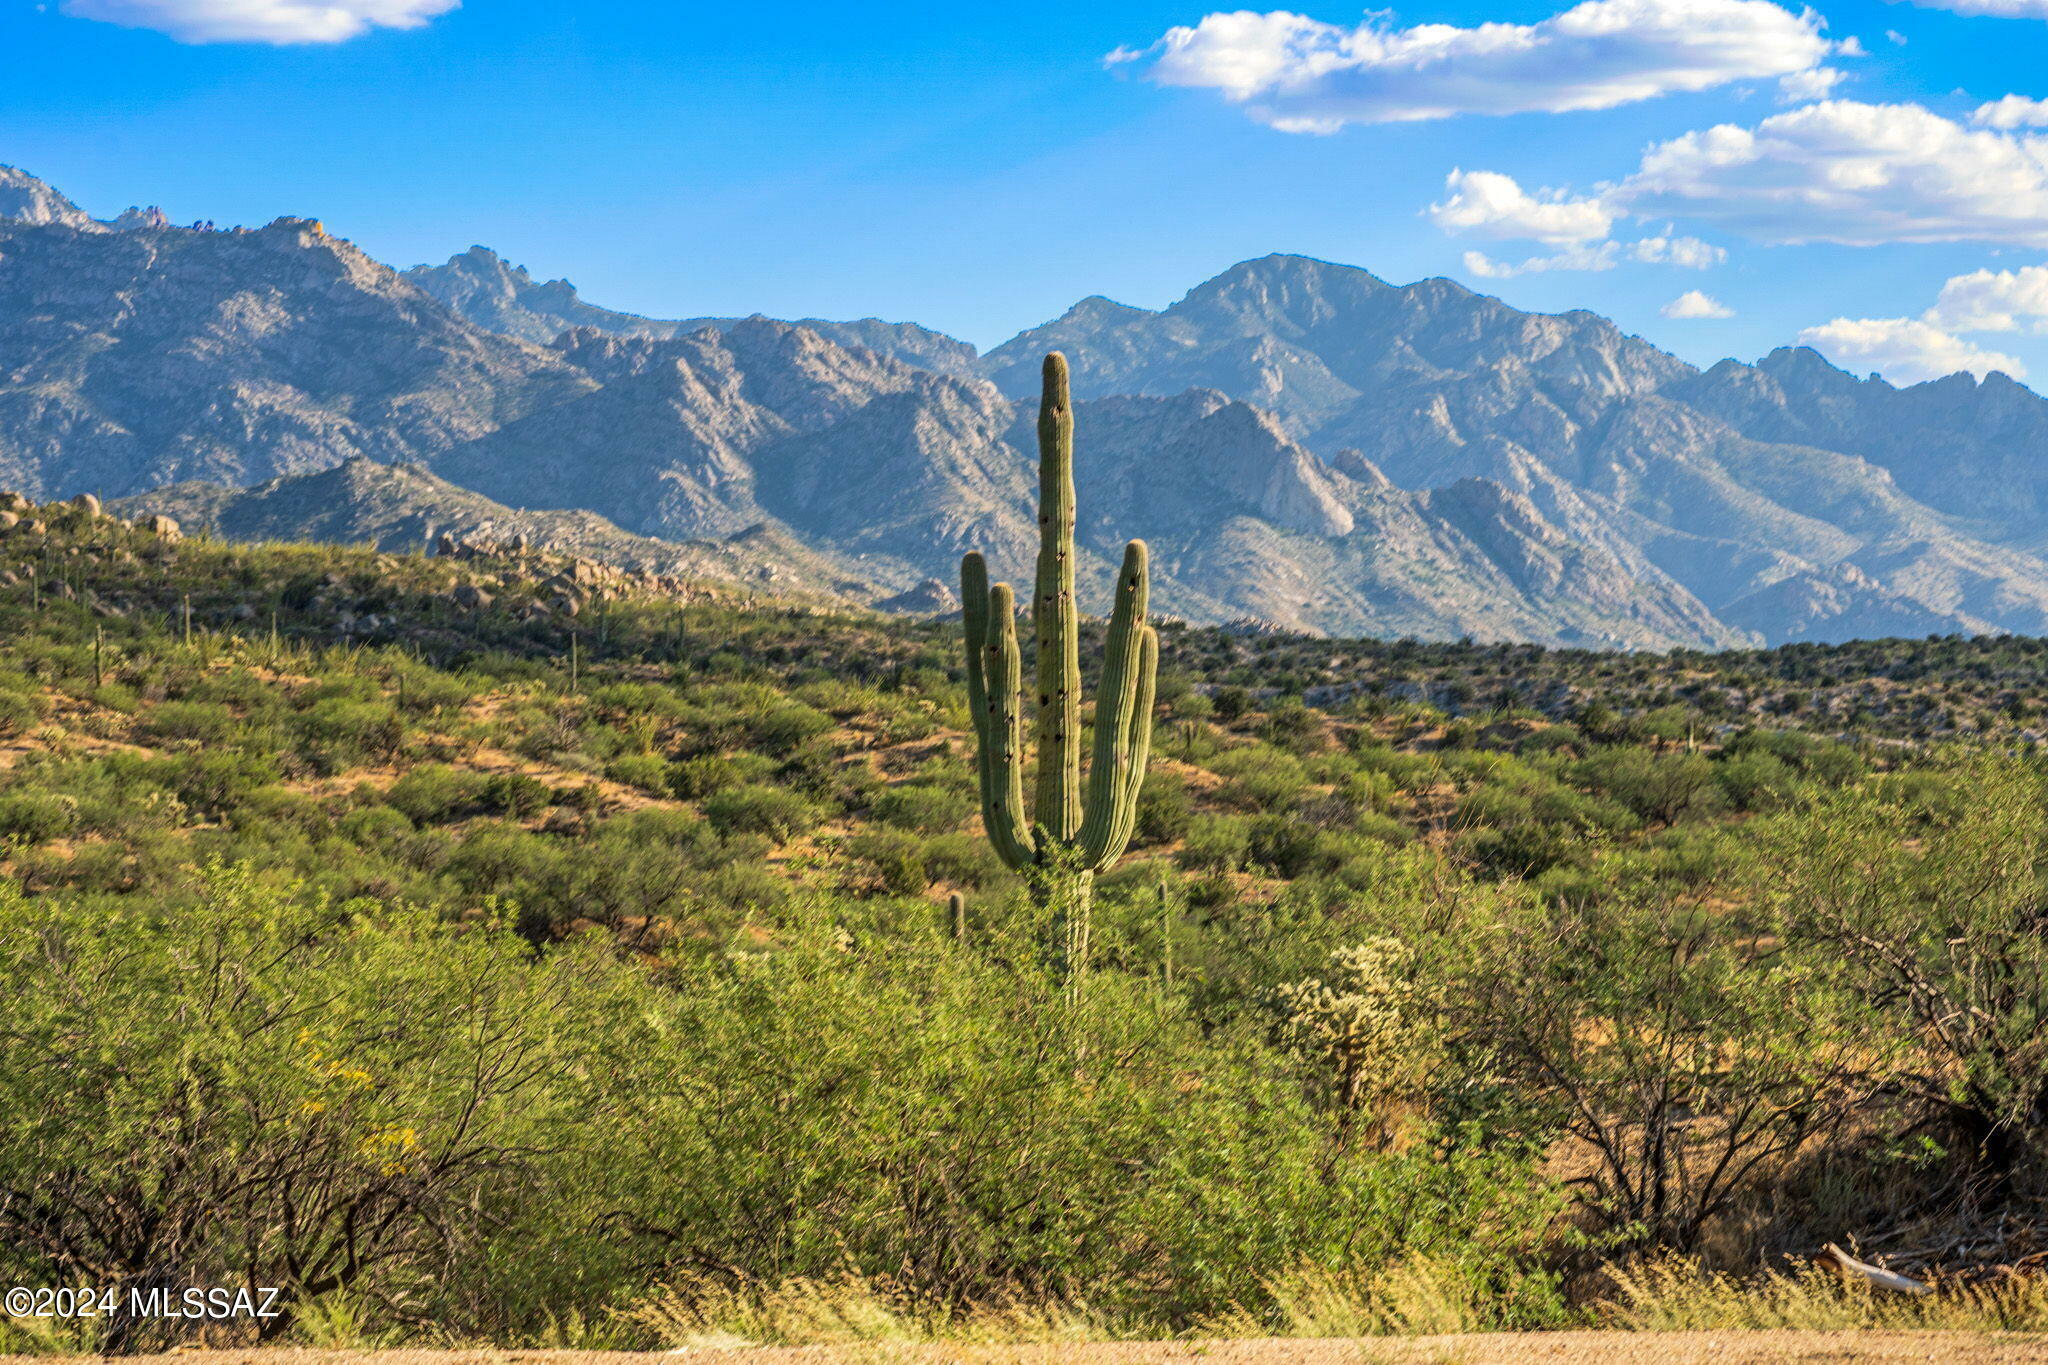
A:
484,970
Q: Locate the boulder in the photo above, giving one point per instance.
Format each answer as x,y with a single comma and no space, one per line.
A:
162,527
88,504
471,597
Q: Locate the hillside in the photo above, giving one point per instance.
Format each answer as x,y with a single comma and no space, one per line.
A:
531,895
404,508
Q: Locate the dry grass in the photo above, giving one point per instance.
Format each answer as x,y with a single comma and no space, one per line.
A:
1680,1296
846,1312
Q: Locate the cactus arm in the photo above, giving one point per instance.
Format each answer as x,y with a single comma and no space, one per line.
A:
1137,750
1003,812
974,617
1058,805
1108,766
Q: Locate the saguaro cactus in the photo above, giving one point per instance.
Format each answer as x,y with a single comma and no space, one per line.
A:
1067,835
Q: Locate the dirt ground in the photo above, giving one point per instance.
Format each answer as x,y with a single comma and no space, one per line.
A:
1541,1348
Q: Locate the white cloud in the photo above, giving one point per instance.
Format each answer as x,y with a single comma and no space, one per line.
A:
1686,252
1689,253
1604,256
1992,301
1857,174
1303,75
1693,304
1489,204
1896,38
260,21
2014,111
1802,87
1904,350
1493,205
1997,9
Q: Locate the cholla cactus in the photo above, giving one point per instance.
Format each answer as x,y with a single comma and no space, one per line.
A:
1364,1020
1066,837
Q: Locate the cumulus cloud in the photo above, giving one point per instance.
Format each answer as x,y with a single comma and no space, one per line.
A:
1489,204
1997,9
1689,253
1852,173
1303,75
1993,300
1494,205
2014,111
1904,350
1802,87
1693,304
278,22
1603,256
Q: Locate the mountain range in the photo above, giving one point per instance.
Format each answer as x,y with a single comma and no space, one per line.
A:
1304,444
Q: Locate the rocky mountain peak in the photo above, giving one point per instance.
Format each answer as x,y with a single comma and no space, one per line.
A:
1286,294
1804,365
26,199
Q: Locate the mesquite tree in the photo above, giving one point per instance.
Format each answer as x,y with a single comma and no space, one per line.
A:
1066,837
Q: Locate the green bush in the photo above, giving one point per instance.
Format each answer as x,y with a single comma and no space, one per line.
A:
925,808
757,808
434,793
36,817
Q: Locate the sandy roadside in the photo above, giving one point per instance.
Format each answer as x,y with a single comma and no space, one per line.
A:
1540,1348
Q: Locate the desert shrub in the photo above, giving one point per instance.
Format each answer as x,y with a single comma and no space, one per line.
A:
1108,1179
1215,843
36,817
1259,777
1689,1061
214,781
1755,780
1283,844
693,779
198,721
1230,703
757,808
348,1099
781,729
1291,725
897,858
433,793
518,795
1165,810
925,807
338,733
1660,787
20,709
1930,920
647,772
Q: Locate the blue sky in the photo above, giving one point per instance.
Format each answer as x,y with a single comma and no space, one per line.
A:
1844,175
